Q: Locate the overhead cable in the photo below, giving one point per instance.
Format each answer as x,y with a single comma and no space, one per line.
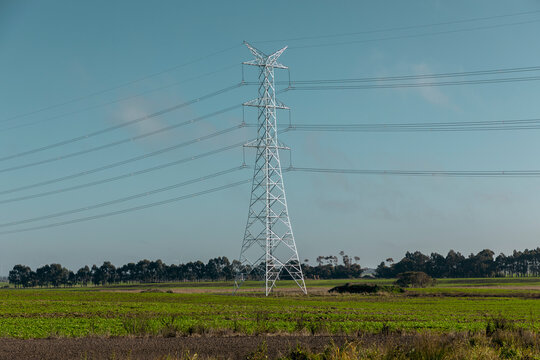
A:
128,175
432,173
135,208
123,199
110,179
132,122
396,81
114,178
412,77
522,173
22,125
417,84
400,28
525,124
112,144
136,158
131,82
398,37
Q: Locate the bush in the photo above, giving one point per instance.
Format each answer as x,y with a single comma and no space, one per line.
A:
414,279
498,323
364,289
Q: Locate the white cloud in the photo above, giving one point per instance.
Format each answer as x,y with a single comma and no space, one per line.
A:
137,111
432,94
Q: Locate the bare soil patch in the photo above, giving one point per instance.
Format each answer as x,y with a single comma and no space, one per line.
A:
221,347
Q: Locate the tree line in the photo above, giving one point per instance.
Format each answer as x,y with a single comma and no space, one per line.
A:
146,271
483,264
454,264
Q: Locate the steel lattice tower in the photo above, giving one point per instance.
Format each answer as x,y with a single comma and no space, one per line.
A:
268,245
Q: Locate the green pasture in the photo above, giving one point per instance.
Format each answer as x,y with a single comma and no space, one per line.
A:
441,283
125,310
227,285
497,281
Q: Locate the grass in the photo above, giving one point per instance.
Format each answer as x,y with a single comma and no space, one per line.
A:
483,282
227,285
125,310
500,345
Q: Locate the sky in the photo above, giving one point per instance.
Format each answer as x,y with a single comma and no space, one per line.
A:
71,68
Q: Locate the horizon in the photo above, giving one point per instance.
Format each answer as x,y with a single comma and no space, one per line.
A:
309,262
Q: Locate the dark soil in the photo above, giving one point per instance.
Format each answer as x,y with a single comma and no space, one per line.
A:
221,347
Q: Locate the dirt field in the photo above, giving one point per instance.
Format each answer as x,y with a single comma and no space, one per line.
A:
236,347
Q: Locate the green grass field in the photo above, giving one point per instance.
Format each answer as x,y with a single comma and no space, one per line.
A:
453,305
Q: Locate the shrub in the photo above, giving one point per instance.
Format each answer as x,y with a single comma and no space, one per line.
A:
365,289
497,323
414,279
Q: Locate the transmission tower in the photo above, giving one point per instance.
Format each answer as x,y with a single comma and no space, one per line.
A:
268,247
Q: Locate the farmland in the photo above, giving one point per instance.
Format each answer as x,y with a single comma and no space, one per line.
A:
185,309
208,309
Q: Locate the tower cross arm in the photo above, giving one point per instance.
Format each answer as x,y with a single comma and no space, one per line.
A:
257,103
259,55
273,58
261,59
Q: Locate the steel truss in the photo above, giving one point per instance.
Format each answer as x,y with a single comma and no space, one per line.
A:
268,247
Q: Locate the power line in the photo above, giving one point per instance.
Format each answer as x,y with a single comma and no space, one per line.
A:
18,126
412,77
106,180
145,156
124,141
419,84
235,46
342,83
436,173
128,123
121,85
525,124
186,143
123,199
135,208
409,27
522,173
414,35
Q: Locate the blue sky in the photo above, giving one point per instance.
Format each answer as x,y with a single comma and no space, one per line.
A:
57,51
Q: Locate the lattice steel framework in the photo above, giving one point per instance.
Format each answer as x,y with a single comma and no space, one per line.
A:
268,245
